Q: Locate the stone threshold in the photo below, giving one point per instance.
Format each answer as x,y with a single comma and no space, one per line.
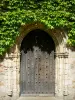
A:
39,98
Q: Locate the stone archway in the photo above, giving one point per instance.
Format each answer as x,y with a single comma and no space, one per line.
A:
59,38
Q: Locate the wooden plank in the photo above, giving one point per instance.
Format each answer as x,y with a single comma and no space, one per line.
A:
37,72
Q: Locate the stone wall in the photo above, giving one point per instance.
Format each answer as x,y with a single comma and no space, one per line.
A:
9,75
64,69
10,72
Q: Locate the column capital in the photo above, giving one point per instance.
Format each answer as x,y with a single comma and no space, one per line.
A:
62,54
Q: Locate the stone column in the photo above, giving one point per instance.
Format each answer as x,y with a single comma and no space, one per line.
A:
60,57
18,75
56,74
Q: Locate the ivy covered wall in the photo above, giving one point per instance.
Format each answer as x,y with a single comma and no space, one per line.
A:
52,13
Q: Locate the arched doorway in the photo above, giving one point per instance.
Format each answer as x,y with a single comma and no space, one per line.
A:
37,64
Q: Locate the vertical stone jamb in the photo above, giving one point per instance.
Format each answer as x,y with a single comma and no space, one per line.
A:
56,75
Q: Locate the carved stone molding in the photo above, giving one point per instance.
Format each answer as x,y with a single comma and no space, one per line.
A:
11,56
62,55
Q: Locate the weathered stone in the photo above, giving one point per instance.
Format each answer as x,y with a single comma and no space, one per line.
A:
64,67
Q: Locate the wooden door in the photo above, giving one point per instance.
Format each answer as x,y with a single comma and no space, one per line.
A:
37,69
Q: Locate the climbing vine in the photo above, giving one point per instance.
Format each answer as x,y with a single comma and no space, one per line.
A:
53,13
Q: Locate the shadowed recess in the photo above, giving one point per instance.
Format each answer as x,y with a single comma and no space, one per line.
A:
38,38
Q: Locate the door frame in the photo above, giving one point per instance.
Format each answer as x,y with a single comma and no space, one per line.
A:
61,54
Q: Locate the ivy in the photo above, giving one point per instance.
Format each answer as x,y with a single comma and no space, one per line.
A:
53,13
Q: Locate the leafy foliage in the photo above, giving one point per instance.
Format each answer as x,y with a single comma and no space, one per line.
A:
53,13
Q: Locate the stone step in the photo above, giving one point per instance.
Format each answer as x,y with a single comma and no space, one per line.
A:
38,98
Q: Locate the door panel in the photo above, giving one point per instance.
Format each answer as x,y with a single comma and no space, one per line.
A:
37,72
